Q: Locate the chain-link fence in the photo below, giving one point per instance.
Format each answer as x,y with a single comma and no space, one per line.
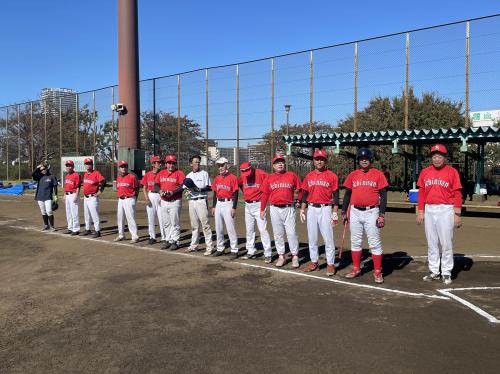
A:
241,111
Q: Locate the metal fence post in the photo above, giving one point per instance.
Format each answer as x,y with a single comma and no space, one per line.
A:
407,79
94,119
154,116
311,92
355,87
45,127
60,128
272,108
467,68
18,142
31,138
237,156
77,110
179,118
113,144
7,142
206,116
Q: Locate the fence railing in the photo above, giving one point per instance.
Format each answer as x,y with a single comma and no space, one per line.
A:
208,110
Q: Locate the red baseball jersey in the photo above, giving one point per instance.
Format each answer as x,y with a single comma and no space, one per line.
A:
126,185
170,181
225,185
148,180
251,185
320,186
72,181
365,186
280,188
91,182
439,186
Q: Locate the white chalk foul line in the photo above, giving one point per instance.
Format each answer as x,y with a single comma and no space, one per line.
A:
468,304
244,264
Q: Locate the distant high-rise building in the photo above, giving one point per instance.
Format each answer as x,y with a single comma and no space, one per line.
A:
258,154
50,97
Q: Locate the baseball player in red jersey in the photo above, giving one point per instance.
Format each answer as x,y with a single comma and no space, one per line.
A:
169,183
72,184
225,200
364,206
127,189
153,200
439,207
279,188
321,197
93,185
250,181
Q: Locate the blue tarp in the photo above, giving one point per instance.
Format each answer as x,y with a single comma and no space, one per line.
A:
16,189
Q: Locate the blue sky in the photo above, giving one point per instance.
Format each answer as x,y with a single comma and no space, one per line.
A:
60,43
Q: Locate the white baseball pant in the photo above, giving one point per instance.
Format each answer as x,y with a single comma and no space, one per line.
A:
198,215
154,212
283,220
252,214
45,207
91,212
319,219
170,211
223,216
366,220
126,206
72,211
439,222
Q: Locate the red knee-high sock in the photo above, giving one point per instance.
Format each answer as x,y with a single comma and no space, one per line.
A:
356,258
377,262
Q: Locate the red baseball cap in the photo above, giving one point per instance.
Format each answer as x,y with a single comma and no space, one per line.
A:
278,157
320,153
246,168
88,160
170,158
438,148
155,159
122,163
69,163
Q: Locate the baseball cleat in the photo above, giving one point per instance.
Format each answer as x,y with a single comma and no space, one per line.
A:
68,232
87,232
280,262
377,276
208,252
447,280
133,241
151,241
330,270
218,253
355,272
166,245
75,233
191,249
268,260
97,234
53,229
311,267
430,277
249,256
295,262
119,239
45,228
233,255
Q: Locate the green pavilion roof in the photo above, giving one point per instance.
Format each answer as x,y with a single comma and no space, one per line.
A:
417,136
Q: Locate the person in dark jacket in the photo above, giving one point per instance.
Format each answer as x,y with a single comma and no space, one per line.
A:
46,194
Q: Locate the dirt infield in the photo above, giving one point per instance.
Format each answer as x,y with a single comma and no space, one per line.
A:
86,305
